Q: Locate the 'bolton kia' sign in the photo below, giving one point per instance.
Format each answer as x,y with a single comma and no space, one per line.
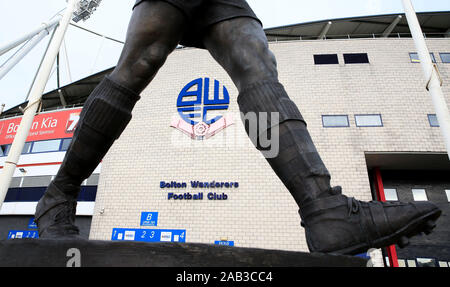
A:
45,126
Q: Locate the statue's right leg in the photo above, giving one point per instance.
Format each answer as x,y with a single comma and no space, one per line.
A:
333,222
154,31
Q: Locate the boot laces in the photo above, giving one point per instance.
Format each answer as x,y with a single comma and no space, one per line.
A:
353,206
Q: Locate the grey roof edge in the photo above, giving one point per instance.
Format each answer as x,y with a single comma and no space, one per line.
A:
352,18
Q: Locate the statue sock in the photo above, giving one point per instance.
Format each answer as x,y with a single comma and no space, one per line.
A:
105,115
297,164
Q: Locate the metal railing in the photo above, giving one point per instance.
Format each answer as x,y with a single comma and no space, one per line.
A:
280,38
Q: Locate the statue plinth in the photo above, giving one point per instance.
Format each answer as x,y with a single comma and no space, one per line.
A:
95,253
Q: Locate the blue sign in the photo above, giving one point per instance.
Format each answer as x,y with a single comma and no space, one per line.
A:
149,235
32,224
149,218
224,243
12,234
194,101
363,255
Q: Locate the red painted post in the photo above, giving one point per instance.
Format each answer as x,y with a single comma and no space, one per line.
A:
392,253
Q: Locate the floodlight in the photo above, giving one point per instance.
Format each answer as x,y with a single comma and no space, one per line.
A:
84,9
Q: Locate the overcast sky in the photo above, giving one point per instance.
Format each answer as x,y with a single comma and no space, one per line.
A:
90,54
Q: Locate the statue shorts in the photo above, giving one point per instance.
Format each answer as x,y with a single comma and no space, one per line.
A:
203,13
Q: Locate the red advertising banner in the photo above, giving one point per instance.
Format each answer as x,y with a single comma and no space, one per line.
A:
46,126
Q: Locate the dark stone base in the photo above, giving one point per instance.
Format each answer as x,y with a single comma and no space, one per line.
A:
93,253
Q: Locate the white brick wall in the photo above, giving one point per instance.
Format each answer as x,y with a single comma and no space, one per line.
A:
261,213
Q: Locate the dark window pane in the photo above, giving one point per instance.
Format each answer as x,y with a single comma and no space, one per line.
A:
360,58
65,144
445,57
26,148
4,149
426,262
432,119
326,59
415,58
335,121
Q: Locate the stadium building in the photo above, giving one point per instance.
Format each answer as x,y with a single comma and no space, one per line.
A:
184,169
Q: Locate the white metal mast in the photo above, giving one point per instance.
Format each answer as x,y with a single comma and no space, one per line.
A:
27,47
431,73
23,38
84,9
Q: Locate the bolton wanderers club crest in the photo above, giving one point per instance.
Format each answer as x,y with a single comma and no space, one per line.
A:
199,110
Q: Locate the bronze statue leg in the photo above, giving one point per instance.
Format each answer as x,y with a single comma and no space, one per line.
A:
240,46
155,29
333,222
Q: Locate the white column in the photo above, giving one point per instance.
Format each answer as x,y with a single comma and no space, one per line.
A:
34,100
430,73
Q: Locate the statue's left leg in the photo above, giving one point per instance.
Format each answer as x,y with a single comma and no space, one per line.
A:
333,222
154,31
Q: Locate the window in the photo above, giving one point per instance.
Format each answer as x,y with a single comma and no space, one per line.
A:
326,59
93,179
432,119
65,144
447,192
415,58
36,181
368,121
15,182
426,262
411,263
46,146
390,194
335,121
26,148
443,264
39,146
419,194
4,149
360,58
445,57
